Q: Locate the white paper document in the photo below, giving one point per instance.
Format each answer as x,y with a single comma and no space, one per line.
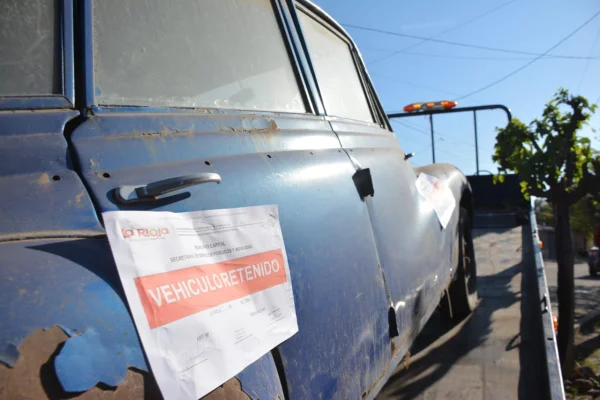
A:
439,196
210,291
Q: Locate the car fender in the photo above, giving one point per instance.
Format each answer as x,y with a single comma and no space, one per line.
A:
461,190
456,181
67,328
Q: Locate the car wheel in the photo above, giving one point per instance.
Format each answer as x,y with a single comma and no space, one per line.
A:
463,289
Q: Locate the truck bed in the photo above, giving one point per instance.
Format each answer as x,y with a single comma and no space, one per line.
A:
496,353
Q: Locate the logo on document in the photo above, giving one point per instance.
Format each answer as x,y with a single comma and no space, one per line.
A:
144,233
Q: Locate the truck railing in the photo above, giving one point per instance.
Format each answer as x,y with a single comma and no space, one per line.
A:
555,380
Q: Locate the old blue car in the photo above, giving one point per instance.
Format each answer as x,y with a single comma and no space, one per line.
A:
274,98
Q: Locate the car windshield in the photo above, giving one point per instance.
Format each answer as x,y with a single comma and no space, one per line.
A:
193,53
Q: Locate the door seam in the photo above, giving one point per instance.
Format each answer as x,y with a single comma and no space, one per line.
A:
392,320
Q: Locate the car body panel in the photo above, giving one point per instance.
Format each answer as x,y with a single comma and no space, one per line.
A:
72,283
41,192
420,242
295,162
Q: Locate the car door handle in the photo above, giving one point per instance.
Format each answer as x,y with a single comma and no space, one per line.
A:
151,191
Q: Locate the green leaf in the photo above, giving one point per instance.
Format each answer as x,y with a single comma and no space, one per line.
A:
542,152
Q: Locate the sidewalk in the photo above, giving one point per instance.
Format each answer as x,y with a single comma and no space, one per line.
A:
587,289
587,341
482,357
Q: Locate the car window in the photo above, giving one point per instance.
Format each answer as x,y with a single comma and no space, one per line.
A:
193,53
29,48
337,76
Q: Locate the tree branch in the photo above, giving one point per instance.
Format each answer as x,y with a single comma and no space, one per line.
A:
589,183
576,117
537,192
554,124
534,142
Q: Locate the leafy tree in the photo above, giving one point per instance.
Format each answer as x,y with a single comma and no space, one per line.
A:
584,215
554,163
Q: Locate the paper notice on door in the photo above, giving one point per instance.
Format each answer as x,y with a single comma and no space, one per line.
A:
210,291
439,196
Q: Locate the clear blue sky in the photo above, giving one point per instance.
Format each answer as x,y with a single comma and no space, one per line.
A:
416,75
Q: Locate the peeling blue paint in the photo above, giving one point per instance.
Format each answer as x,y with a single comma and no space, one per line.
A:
86,360
72,284
9,355
67,331
261,380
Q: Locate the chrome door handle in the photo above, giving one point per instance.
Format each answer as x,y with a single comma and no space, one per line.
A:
151,191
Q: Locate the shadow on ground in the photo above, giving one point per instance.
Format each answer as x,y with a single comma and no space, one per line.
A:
441,346
587,298
590,278
586,348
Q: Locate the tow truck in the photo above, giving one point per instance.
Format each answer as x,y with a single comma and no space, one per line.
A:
499,208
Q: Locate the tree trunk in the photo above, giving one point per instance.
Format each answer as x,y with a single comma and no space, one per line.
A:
566,283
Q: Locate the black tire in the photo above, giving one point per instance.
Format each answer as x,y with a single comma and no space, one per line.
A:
463,289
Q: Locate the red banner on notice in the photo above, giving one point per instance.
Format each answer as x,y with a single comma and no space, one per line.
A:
174,295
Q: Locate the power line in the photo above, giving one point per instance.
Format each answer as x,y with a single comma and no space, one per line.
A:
429,146
426,133
414,138
415,143
460,44
457,57
485,14
415,85
411,142
587,63
440,135
522,67
421,150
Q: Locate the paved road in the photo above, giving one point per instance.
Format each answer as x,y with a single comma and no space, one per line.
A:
587,288
482,357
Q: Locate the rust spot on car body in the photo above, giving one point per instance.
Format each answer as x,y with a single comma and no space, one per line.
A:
56,234
162,134
232,389
34,376
44,179
24,381
272,128
79,197
262,137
